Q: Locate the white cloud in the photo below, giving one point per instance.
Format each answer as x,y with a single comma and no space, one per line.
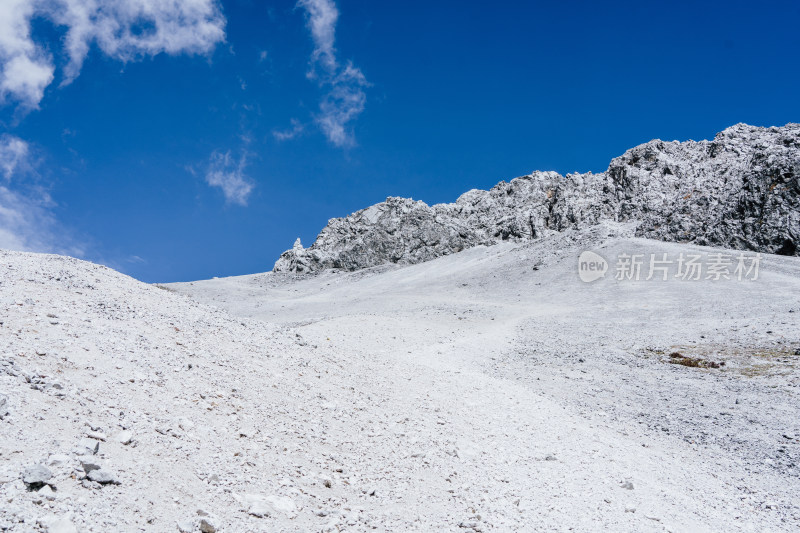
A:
13,155
344,99
26,223
123,29
296,129
321,17
26,219
344,102
228,175
25,68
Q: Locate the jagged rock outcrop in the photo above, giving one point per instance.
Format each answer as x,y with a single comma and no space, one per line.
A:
741,190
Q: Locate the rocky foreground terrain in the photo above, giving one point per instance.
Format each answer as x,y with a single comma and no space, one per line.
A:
379,381
741,191
489,390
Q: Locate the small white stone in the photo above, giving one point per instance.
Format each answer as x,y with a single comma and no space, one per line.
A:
104,477
89,463
47,493
87,447
262,506
60,525
282,504
36,475
124,437
187,526
209,524
58,459
96,435
260,509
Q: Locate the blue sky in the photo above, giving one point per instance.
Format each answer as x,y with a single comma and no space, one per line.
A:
190,139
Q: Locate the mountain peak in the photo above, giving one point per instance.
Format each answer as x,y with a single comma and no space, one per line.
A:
741,190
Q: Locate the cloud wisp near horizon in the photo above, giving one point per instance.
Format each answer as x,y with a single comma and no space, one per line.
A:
26,220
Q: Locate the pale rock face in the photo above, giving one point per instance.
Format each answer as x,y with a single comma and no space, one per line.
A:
60,525
741,190
36,476
3,406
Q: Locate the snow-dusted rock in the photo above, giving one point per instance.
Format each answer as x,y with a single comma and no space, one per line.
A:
209,523
61,524
47,493
97,435
102,476
58,459
260,509
187,526
36,475
124,437
263,506
741,190
89,463
3,406
87,446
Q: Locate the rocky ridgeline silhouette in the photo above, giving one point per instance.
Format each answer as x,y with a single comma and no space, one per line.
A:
740,191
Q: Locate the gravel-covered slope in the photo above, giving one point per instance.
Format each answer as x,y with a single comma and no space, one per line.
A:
524,361
741,190
489,390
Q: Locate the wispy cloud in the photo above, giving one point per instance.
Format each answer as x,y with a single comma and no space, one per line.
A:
344,102
321,18
284,135
122,29
13,155
344,98
27,222
25,68
229,175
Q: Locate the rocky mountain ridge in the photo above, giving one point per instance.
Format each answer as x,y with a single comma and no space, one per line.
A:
740,190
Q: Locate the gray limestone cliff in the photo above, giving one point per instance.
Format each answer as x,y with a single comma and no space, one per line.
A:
741,191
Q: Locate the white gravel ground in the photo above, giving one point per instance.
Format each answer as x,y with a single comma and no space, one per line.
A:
490,390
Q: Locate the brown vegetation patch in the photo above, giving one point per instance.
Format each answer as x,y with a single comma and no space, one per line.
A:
676,358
